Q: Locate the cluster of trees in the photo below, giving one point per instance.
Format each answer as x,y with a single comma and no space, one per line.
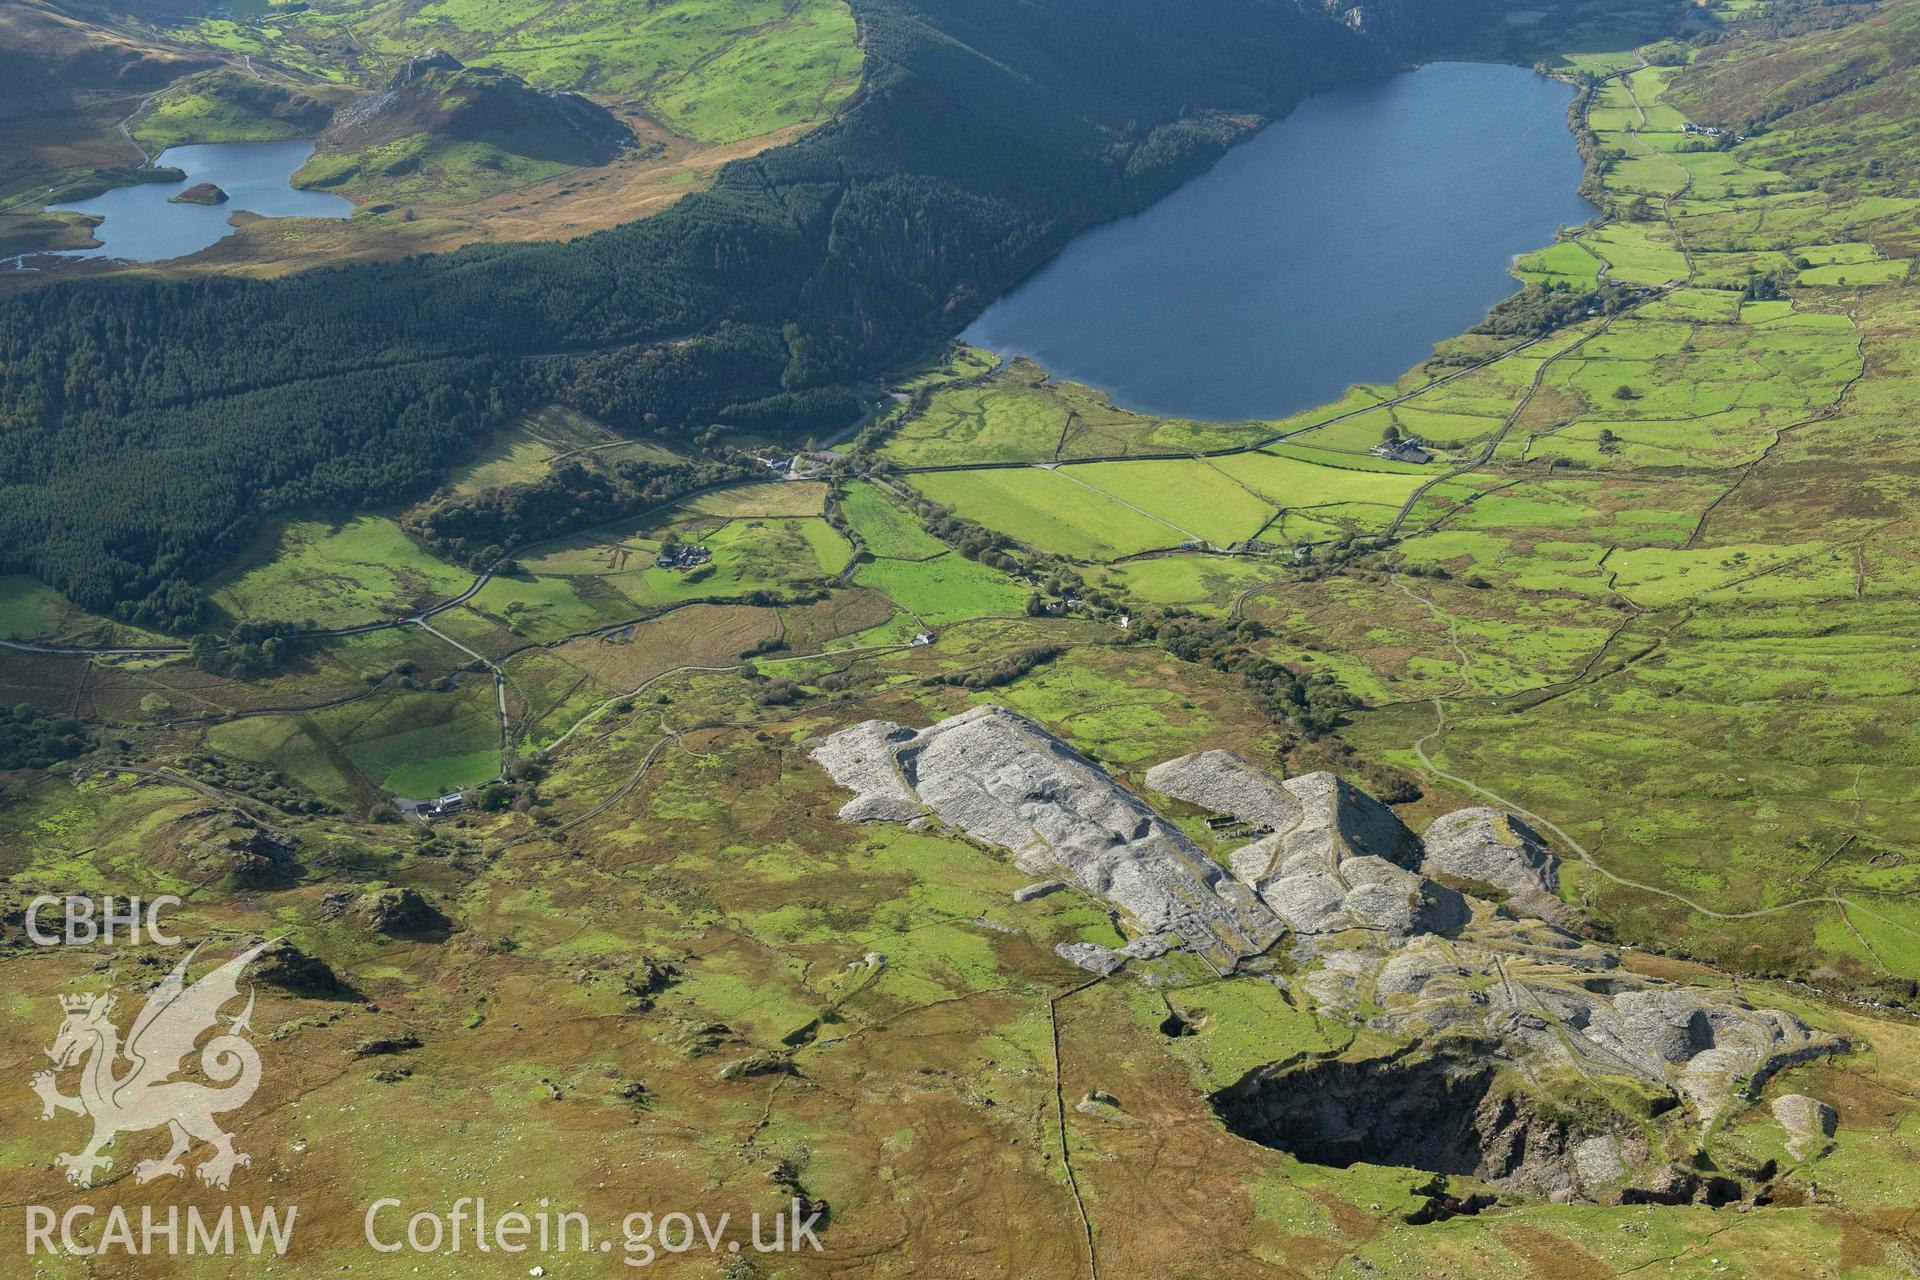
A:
478,529
1540,308
1783,18
780,692
269,786
121,488
1593,156
1310,703
974,541
251,650
145,425
31,739
519,789
1005,670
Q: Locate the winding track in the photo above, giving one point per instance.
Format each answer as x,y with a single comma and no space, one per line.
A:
1586,857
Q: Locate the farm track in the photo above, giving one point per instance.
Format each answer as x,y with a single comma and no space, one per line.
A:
764,660
1188,455
1585,856
1494,442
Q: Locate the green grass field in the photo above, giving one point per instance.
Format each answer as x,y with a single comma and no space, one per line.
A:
1207,583
1046,510
889,530
218,106
1288,481
30,610
1199,498
335,575
426,169
590,580
945,589
422,744
976,412
711,70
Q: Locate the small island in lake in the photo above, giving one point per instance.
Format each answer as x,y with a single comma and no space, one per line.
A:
199,193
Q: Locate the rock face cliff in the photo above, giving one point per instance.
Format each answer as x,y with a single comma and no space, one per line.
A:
1521,1053
1408,26
435,95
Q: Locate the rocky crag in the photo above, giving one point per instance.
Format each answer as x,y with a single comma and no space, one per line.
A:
1492,1039
435,95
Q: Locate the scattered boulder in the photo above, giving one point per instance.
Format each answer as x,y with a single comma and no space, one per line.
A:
1102,1105
1038,889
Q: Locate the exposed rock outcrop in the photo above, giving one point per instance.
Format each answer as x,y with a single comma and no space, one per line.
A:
1335,859
1447,1108
1408,24
1090,956
435,94
401,913
285,966
1223,782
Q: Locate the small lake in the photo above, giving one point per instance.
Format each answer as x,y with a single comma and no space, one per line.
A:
1334,247
141,226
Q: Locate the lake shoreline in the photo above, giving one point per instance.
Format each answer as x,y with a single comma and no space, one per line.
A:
1155,308
145,222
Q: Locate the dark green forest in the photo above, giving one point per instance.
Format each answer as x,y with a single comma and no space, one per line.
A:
146,425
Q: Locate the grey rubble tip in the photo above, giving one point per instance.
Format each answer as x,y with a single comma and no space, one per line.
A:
1494,848
1090,956
1373,930
1004,780
1808,1122
1336,858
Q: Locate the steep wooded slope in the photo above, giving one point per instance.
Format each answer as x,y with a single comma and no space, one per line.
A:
986,136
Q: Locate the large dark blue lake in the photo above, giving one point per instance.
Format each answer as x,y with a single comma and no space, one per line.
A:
1334,247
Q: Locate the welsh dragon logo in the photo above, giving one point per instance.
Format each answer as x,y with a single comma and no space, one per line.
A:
126,1089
